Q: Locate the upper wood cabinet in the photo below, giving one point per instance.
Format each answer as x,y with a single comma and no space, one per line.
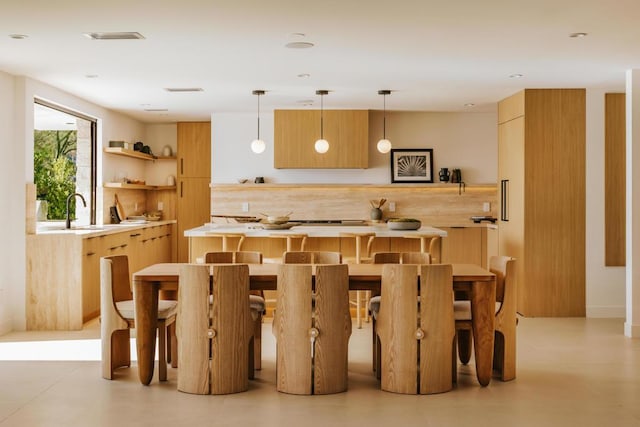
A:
194,149
296,131
541,170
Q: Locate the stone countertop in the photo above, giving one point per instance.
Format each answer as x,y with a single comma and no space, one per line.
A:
255,230
56,228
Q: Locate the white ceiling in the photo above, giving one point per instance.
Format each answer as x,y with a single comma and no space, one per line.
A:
433,55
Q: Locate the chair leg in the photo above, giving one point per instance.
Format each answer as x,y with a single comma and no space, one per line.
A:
174,346
257,343
504,357
162,350
373,344
378,358
464,345
169,343
251,358
117,354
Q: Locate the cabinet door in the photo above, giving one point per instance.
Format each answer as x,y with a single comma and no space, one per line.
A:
194,149
90,278
296,131
462,245
193,210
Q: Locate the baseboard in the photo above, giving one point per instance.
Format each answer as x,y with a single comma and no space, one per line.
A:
631,331
606,311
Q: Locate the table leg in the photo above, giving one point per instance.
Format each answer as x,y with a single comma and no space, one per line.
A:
145,296
483,297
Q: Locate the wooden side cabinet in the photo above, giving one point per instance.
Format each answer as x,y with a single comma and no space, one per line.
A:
296,131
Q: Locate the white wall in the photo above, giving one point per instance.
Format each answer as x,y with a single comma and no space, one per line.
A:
605,287
9,181
463,140
16,166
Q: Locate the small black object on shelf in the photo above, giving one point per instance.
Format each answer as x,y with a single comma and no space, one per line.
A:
479,219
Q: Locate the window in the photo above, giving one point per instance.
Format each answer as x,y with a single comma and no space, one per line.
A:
64,162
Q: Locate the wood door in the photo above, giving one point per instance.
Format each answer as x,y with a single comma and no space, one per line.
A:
194,149
193,210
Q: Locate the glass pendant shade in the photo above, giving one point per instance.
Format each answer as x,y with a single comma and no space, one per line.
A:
258,146
321,146
384,146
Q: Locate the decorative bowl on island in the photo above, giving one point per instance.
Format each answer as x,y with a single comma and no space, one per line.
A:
403,224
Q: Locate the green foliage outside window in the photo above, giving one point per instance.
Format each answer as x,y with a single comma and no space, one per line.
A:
55,169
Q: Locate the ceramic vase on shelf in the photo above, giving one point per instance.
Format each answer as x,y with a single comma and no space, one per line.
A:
444,175
376,214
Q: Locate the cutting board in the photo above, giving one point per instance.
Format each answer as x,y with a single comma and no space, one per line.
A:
119,208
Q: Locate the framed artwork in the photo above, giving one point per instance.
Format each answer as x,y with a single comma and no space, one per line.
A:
412,165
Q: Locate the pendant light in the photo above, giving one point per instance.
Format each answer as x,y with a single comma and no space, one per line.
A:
257,145
384,145
322,145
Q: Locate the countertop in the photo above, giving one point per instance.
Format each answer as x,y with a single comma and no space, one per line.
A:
57,228
254,230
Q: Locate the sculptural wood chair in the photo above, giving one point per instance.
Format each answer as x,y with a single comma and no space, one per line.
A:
312,337
504,353
416,334
374,302
117,317
256,298
214,339
225,240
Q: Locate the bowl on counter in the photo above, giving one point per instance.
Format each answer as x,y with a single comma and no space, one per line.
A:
403,224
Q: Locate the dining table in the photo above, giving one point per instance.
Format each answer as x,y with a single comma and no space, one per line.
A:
478,283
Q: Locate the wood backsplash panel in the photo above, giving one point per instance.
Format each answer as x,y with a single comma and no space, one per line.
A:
434,204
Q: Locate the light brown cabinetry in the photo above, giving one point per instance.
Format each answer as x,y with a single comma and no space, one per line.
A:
296,131
194,177
541,169
615,179
63,271
462,245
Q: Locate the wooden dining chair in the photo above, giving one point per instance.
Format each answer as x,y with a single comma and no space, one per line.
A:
416,359
226,239
504,353
256,298
214,339
117,317
312,332
374,301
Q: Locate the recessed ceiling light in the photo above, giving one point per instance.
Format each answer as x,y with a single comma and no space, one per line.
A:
577,35
298,41
299,45
184,89
91,76
516,76
305,102
469,104
156,110
304,75
121,35
18,36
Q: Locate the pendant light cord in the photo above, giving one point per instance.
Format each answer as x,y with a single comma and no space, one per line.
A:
384,117
321,117
258,116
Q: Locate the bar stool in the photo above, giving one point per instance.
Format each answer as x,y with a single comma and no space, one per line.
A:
358,260
225,240
428,244
290,237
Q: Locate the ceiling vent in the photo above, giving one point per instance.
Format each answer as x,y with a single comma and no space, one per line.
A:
156,110
184,89
124,35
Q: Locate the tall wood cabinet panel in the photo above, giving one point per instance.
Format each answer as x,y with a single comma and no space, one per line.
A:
614,179
194,177
541,169
296,131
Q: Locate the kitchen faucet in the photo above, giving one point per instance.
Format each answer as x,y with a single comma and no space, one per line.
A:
69,197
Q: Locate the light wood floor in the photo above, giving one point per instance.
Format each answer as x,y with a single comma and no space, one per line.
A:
571,372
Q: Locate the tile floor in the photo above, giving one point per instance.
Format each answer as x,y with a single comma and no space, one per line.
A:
571,372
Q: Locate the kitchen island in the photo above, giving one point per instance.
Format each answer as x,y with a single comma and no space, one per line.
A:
319,238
